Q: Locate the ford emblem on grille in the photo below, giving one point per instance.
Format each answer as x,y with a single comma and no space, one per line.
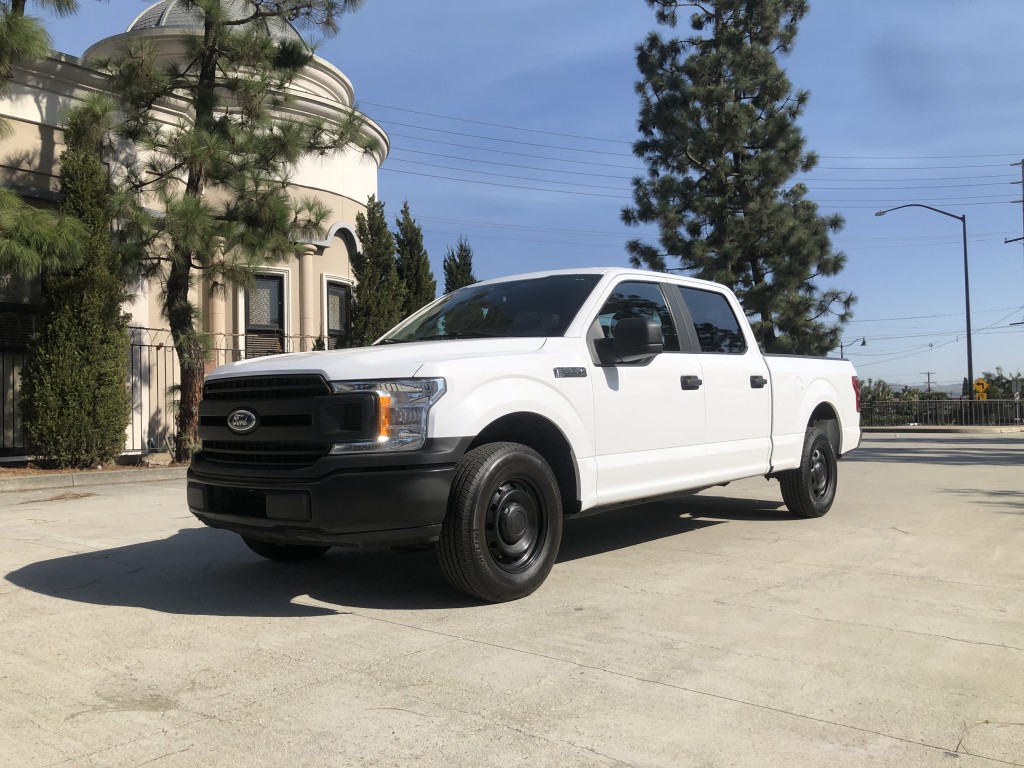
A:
242,421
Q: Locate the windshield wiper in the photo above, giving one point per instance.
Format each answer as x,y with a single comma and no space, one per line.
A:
393,341
462,335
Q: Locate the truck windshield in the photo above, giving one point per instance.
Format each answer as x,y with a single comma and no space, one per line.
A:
542,306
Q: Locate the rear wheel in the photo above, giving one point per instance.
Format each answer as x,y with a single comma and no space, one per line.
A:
810,489
284,553
501,533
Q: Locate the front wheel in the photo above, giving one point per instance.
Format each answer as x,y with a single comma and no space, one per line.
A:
810,489
284,553
503,526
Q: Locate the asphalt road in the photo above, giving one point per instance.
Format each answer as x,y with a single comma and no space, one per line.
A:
709,631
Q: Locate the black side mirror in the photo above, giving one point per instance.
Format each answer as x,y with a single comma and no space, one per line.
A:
635,339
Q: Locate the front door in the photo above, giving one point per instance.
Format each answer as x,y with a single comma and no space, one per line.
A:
649,416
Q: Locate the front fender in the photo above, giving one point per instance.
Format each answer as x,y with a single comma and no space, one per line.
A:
566,403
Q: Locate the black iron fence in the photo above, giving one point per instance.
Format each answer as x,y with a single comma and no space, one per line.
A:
941,413
153,377
11,363
154,380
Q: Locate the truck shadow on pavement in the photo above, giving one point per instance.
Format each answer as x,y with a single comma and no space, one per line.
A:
199,571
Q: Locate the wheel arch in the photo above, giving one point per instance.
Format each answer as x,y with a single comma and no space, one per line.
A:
825,417
543,436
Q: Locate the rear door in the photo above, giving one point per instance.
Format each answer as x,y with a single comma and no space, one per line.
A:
649,416
737,387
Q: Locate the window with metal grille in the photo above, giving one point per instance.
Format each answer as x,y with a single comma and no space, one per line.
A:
264,316
338,300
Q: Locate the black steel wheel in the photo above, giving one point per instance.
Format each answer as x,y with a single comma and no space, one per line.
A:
284,553
501,533
810,489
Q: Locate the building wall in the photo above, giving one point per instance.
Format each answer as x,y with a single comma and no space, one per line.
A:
41,93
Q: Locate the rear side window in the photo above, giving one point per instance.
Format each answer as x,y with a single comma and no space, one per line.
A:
717,328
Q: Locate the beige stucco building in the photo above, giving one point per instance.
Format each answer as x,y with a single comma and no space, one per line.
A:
293,303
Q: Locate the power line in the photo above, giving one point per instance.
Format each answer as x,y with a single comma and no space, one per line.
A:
491,150
507,186
931,317
498,125
512,141
508,175
514,165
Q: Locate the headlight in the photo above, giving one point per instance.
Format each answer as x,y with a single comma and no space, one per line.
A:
402,408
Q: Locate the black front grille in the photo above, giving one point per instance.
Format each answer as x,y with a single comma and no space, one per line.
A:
285,454
298,419
266,388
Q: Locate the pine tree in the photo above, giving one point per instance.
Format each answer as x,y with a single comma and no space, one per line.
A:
721,145
458,266
75,399
380,293
30,238
24,38
218,183
413,263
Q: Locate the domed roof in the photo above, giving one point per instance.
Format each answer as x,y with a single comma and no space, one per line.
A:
174,13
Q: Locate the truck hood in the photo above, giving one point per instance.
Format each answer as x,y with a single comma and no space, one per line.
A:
387,361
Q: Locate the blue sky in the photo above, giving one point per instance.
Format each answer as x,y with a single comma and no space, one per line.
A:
511,124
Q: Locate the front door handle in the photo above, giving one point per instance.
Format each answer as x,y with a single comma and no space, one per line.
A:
757,382
690,382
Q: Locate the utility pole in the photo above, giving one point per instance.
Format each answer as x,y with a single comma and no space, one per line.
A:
1021,201
929,375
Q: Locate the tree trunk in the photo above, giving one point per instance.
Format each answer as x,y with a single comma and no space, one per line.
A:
192,374
191,359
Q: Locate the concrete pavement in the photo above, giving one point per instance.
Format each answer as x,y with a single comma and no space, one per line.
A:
713,630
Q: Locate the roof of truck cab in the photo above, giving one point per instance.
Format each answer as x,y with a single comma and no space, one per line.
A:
643,274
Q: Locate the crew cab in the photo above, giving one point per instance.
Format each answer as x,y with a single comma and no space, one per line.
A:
482,421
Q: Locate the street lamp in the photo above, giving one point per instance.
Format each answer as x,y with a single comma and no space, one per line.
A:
843,344
967,282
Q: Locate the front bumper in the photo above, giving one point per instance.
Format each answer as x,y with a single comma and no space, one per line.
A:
340,501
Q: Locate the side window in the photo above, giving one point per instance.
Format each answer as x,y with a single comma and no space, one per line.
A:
264,316
636,299
717,328
338,300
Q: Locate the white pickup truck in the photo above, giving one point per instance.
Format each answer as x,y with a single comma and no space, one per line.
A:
483,420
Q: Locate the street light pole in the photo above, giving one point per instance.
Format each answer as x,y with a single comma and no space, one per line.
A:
967,283
843,344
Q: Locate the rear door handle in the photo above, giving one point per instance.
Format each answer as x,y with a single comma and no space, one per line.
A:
690,382
757,382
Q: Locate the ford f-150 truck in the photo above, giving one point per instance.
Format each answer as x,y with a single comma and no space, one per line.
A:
482,421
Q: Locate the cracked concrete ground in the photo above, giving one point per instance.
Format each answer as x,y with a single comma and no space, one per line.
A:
713,630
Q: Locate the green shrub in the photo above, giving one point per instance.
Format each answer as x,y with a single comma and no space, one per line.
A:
75,401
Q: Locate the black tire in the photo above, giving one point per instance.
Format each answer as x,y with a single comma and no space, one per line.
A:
810,490
284,553
503,526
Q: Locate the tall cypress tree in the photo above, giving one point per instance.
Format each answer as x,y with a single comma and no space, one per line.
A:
75,398
218,183
380,293
721,144
413,263
458,266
